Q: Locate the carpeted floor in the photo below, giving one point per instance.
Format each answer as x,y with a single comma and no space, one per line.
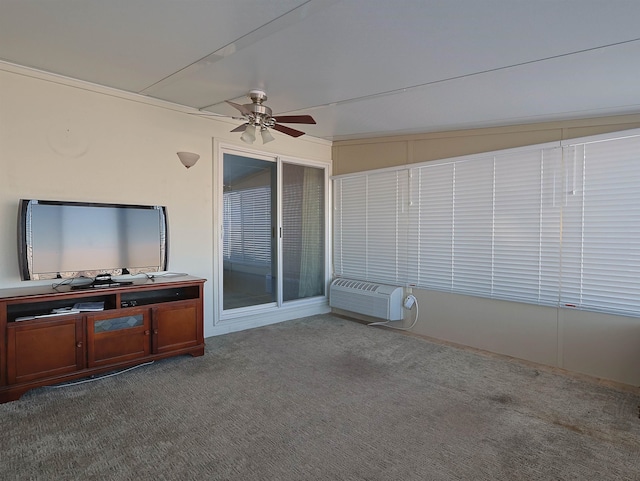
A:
324,398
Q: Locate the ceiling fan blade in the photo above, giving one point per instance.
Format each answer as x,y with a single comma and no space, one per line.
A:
288,130
241,108
294,119
240,128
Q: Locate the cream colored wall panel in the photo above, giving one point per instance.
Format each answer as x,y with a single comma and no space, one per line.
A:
459,145
351,155
520,330
577,132
368,156
598,345
601,345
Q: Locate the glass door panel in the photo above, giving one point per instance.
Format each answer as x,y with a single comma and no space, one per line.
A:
249,241
303,232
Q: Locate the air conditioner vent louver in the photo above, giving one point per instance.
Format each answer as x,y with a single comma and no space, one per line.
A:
369,298
362,286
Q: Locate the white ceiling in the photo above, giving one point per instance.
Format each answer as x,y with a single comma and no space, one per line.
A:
359,67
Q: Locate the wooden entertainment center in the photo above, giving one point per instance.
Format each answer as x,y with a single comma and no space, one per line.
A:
148,320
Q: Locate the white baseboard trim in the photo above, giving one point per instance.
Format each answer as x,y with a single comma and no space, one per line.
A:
265,318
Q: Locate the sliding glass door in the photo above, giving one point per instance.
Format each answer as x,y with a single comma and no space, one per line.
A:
273,241
303,245
249,244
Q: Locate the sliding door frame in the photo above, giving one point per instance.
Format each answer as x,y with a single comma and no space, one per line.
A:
278,311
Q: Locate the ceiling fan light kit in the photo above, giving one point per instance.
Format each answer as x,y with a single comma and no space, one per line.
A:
266,135
249,134
257,114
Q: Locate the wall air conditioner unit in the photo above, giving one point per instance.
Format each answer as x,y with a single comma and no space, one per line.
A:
368,298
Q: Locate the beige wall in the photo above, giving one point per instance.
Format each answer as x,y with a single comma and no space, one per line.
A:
366,154
598,345
68,140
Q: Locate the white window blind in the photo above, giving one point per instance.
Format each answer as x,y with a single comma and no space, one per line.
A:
526,225
431,250
350,224
472,226
370,227
551,226
601,243
488,226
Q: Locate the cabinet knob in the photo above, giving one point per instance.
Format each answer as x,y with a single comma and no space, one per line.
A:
146,333
79,344
155,331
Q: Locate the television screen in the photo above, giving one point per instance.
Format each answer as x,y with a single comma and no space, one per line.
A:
72,239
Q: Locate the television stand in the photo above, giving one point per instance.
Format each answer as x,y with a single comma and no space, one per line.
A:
141,322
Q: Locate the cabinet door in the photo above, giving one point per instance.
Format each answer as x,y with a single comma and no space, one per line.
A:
117,336
177,326
43,348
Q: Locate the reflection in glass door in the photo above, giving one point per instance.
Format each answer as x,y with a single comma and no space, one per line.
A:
249,241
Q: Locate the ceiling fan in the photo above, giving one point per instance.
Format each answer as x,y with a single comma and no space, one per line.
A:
258,116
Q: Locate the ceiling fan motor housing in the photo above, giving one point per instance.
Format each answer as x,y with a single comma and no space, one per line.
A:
261,113
257,96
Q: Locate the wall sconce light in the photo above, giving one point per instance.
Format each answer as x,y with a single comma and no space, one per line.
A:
188,159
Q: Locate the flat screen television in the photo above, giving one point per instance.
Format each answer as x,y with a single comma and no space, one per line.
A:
64,240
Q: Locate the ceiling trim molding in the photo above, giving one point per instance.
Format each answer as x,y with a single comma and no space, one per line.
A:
92,87
123,94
